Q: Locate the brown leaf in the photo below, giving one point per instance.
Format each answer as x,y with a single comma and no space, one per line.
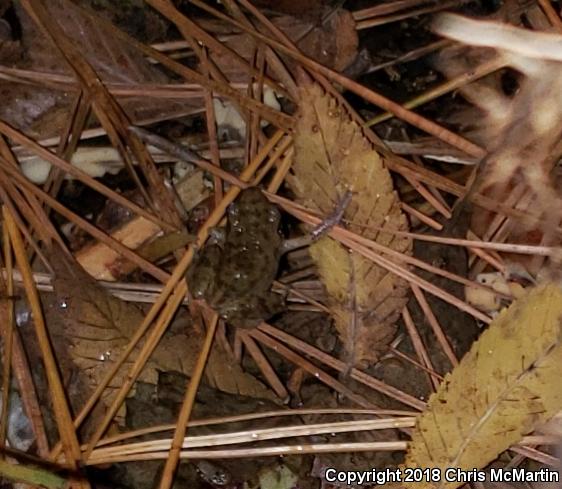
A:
332,42
98,327
331,156
224,374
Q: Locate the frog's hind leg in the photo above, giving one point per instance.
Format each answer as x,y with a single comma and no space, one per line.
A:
253,310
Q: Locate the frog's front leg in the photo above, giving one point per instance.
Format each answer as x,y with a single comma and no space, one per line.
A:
201,275
217,236
295,243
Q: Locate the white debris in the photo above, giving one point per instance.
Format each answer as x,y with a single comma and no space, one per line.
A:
99,161
95,161
230,123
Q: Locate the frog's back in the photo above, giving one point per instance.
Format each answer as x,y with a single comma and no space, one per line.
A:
235,278
251,253
253,218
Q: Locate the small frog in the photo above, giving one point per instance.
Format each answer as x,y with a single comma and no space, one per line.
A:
234,272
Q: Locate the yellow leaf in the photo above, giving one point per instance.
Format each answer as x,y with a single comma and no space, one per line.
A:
332,156
503,388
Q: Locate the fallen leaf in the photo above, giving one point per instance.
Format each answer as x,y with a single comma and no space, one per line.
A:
332,156
224,374
98,326
508,384
331,40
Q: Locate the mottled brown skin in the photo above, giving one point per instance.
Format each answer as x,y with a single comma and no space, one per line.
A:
234,273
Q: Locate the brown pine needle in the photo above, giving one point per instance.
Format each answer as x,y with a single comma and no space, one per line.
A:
340,366
360,90
252,417
185,412
263,363
61,408
80,175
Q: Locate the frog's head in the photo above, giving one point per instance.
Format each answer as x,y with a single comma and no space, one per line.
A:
253,209
251,197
